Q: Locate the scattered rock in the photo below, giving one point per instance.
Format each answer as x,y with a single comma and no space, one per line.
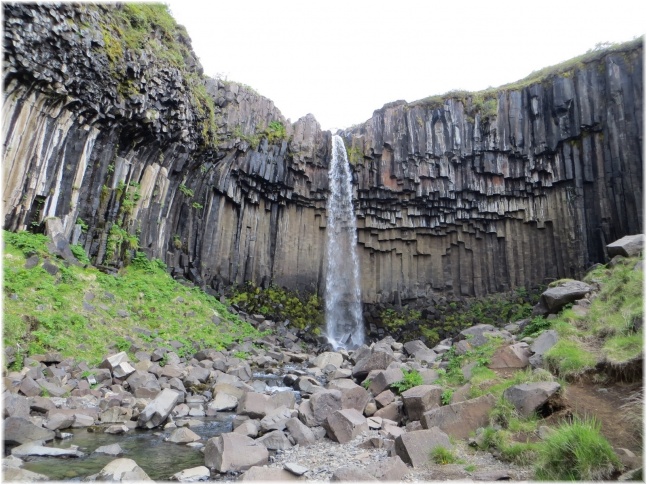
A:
233,452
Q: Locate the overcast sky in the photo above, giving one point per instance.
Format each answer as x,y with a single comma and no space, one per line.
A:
342,59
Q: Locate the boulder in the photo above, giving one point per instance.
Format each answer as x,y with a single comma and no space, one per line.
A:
391,411
223,401
143,380
275,440
460,419
34,448
250,428
111,362
276,419
353,396
122,470
627,246
385,379
183,436
326,358
15,406
391,469
156,412
479,334
59,421
343,425
295,468
420,399
414,447
18,431
195,474
427,356
300,432
267,474
531,397
113,449
351,474
513,356
254,405
234,452
385,398
377,360
323,404
117,429
554,299
414,346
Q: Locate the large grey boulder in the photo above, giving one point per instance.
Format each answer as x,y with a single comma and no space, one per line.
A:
627,246
255,405
542,344
143,384
420,399
15,406
352,395
323,404
223,401
414,447
531,397
478,335
515,356
233,452
326,358
122,470
112,361
275,440
182,436
460,419
156,412
377,360
18,431
342,426
189,475
276,419
302,434
385,379
414,346
113,449
554,299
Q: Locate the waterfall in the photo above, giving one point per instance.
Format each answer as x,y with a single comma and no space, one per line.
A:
344,325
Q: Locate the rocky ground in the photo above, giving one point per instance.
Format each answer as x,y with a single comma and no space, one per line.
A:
373,413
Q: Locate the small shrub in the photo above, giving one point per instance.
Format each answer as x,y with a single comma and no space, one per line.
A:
446,396
366,383
411,379
576,451
442,456
535,327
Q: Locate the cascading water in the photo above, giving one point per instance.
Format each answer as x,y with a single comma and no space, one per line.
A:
344,325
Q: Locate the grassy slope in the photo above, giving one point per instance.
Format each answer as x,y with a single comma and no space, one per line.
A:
141,305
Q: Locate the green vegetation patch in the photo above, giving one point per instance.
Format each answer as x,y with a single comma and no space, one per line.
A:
568,358
410,379
47,313
576,451
443,456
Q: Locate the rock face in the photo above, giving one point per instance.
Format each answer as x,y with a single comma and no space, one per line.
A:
463,195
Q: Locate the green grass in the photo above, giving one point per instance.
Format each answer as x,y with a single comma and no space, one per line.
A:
576,451
48,313
568,358
621,348
411,379
442,456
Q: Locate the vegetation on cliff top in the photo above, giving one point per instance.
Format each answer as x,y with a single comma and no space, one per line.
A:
86,314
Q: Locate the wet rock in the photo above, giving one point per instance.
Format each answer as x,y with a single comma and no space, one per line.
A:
195,474
36,449
122,470
117,429
233,452
414,447
20,430
460,419
343,425
531,397
113,449
182,436
156,412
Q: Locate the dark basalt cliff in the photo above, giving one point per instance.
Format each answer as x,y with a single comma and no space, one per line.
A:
456,196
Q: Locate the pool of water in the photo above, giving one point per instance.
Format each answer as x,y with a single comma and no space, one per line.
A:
159,459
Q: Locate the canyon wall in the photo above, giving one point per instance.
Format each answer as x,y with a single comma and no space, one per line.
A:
132,149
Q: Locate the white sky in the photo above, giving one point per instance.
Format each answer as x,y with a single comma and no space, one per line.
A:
342,59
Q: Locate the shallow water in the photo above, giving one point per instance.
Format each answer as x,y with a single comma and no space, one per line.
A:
159,459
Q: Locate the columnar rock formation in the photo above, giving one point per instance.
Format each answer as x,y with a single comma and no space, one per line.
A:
121,148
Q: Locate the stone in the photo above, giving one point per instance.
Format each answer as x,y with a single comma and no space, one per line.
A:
414,346
351,474
385,379
20,430
352,395
33,448
295,468
233,452
628,246
531,397
182,436
478,335
385,398
156,412
326,358
250,428
323,404
556,298
391,469
307,385
15,406
275,440
143,380
301,433
420,399
112,361
377,360
122,370
223,401
113,449
343,425
122,470
29,387
391,411
17,475
59,421
515,356
254,405
460,419
414,447
425,356
267,474
117,429
189,475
